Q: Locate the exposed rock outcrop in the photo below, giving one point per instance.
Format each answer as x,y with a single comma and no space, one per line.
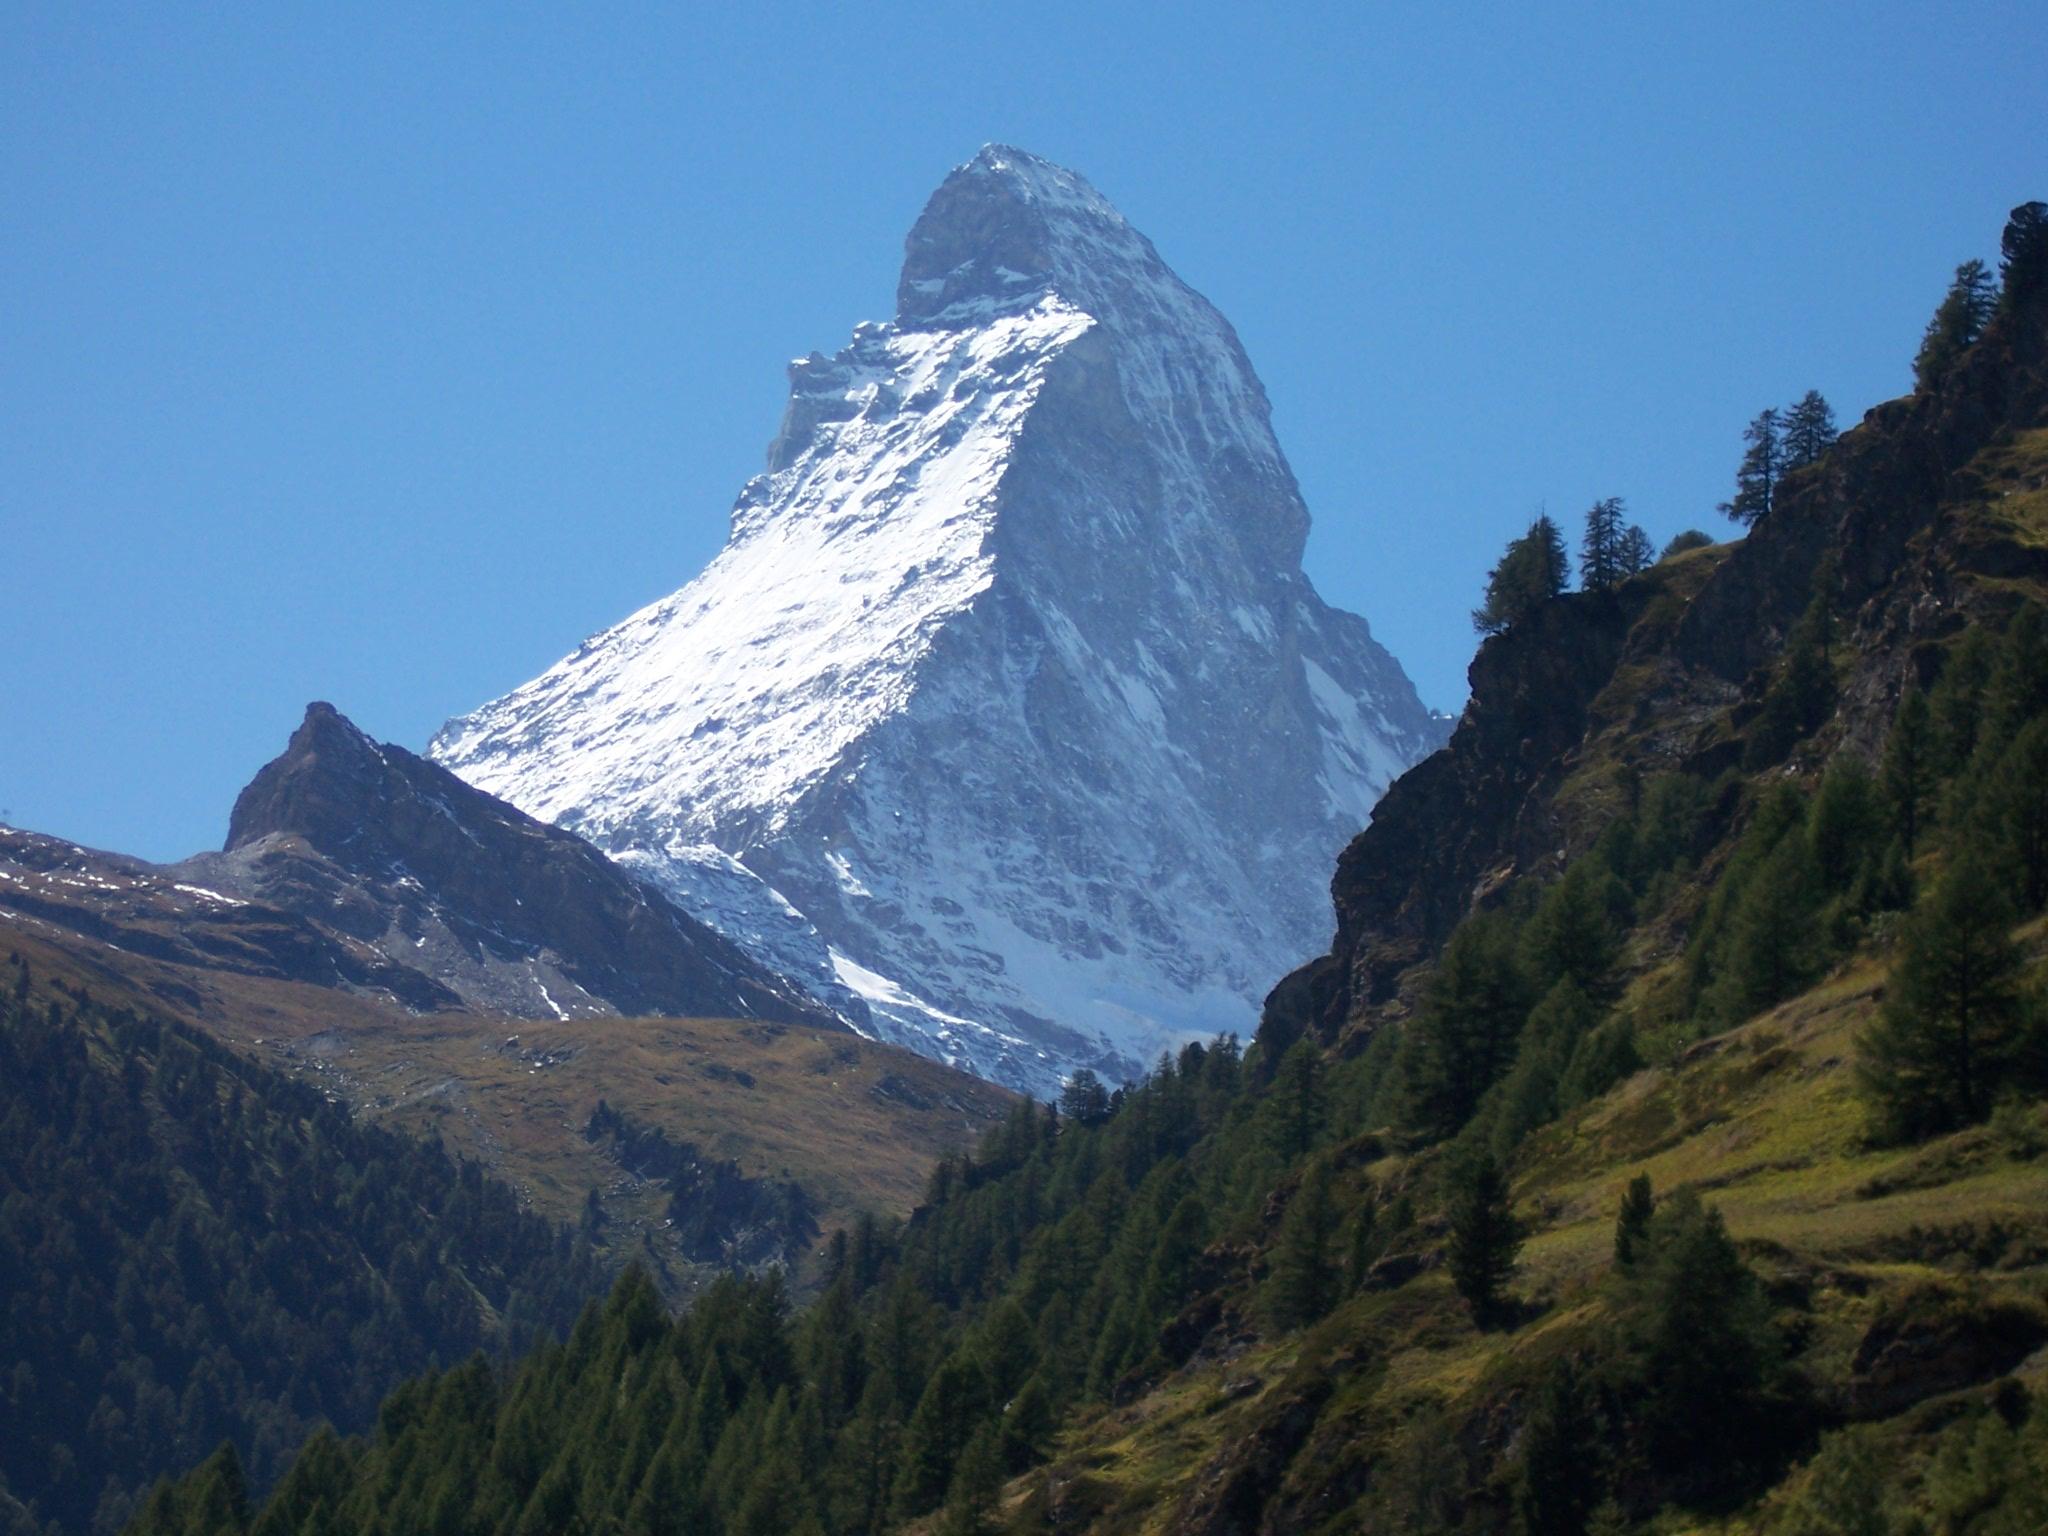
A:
1599,691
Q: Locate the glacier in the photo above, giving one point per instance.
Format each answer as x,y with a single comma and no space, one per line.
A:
1006,721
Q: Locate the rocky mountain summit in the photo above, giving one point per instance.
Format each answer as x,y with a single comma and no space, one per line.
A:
355,865
391,854
1007,721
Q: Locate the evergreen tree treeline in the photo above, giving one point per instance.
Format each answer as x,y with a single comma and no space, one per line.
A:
195,1249
1774,444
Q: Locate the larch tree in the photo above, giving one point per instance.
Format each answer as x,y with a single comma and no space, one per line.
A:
1532,571
1463,1037
1958,321
1485,1237
1637,552
1756,479
1600,550
1305,1274
1809,430
1907,774
1954,1028
2024,249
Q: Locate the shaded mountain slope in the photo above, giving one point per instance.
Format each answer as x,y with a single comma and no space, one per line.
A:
357,866
394,856
854,1126
195,1247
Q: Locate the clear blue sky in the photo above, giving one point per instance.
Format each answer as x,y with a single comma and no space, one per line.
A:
380,358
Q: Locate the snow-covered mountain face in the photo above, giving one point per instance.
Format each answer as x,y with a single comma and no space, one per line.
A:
1006,720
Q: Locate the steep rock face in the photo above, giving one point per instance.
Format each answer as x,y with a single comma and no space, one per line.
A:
1006,720
398,861
1461,821
1599,690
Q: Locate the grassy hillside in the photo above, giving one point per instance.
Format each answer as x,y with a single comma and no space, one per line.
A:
1913,1282
858,1126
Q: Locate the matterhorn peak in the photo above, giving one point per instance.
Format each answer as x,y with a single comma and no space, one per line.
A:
1006,720
1007,229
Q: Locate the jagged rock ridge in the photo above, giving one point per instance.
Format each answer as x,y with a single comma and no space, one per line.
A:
1006,720
447,897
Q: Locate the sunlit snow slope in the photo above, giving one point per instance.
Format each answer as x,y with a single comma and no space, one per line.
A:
1006,719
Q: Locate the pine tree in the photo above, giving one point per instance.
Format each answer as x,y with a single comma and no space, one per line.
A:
1532,571
1364,1246
1084,1100
1552,566
1846,1492
952,1408
1956,703
2017,690
1008,1348
1601,549
218,1504
1958,321
1572,935
1637,552
1605,1055
1846,826
1174,1255
1028,1424
1809,430
1683,543
975,1498
858,1481
1632,1222
1953,1028
1485,1236
1303,1284
1799,697
1772,948
1559,1476
1697,1333
1292,1116
1463,1036
1907,775
2019,803
2024,249
1756,480
1532,1093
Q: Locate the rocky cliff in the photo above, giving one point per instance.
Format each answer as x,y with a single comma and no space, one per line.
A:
1924,515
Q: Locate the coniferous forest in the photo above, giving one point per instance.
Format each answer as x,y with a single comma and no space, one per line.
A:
195,1249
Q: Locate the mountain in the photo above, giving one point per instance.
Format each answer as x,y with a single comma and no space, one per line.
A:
405,881
1662,1147
447,966
1006,721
